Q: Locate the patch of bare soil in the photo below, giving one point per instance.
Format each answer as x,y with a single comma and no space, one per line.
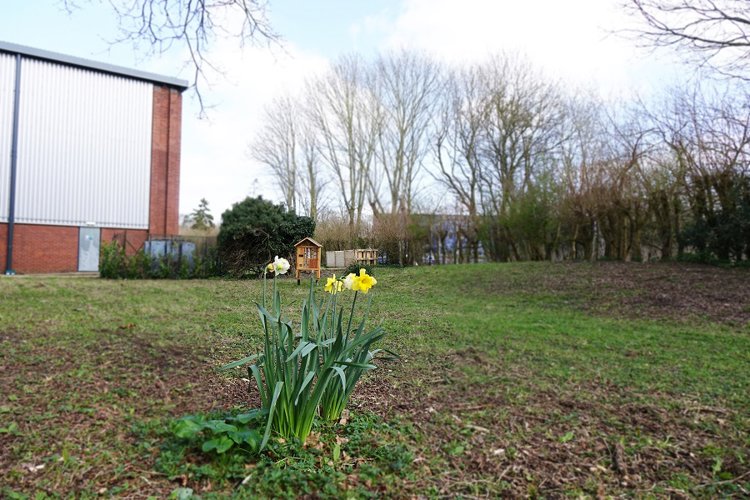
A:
592,440
90,397
677,291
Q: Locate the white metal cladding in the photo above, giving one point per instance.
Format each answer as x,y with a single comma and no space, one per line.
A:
7,82
84,147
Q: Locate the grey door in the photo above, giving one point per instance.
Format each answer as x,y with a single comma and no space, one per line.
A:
88,249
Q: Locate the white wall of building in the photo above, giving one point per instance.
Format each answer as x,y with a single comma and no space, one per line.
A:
7,81
84,147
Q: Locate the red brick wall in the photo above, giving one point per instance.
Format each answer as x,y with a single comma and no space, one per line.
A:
3,245
43,249
54,249
133,238
165,162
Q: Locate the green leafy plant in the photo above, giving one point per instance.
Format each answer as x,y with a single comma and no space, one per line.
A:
137,265
367,449
294,371
115,263
221,435
112,260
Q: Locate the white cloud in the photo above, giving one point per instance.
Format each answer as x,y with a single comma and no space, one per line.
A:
570,40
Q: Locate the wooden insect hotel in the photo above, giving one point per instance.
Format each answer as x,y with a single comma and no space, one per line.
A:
308,257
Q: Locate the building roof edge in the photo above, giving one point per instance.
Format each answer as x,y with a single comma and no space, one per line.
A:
46,55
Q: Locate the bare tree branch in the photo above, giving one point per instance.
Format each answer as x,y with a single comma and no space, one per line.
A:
158,26
713,33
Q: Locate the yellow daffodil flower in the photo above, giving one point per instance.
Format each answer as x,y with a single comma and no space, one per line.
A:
333,286
349,281
363,282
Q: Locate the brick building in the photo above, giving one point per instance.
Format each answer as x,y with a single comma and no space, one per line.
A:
88,152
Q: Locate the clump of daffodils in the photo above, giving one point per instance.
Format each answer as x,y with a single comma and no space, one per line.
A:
361,282
329,349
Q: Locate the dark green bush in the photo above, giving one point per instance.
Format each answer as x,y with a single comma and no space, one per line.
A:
112,260
721,232
255,230
114,263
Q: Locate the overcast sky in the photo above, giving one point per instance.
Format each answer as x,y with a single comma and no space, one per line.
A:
570,40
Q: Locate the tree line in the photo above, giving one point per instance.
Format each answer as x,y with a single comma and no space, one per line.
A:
525,167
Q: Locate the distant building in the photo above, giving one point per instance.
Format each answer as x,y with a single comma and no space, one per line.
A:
447,239
427,239
87,151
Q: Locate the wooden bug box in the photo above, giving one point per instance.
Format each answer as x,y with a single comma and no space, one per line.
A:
366,256
308,253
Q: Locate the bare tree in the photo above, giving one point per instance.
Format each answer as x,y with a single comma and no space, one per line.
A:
713,32
520,135
459,123
288,145
581,158
312,179
709,138
406,85
623,206
347,117
277,147
189,25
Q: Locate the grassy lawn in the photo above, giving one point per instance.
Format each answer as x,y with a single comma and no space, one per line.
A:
530,379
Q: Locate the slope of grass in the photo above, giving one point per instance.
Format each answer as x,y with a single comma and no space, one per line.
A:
517,379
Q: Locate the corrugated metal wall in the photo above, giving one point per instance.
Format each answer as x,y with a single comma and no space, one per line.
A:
7,80
84,147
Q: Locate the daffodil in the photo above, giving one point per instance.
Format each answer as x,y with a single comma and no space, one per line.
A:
363,282
349,281
333,286
280,266
269,268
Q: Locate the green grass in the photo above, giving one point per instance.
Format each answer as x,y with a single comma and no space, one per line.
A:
504,386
